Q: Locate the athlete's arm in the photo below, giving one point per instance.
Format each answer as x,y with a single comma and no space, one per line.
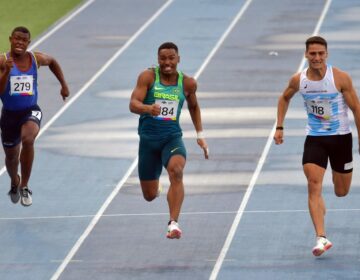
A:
283,105
144,82
5,68
190,87
344,83
47,60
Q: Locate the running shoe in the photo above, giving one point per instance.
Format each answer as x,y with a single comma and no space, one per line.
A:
25,194
322,245
14,192
173,230
159,191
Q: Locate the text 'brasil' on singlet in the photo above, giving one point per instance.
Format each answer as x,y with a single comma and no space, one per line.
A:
171,99
325,105
21,88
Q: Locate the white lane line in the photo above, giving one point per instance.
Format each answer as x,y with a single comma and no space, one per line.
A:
46,36
166,213
61,24
94,221
222,39
131,169
256,174
92,224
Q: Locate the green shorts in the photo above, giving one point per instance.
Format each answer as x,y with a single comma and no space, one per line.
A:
154,154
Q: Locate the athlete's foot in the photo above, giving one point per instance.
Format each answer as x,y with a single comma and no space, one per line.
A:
14,191
173,230
26,199
322,245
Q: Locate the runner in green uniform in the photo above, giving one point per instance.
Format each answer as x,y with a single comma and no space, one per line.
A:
158,98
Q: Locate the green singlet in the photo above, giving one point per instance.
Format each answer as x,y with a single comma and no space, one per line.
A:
171,99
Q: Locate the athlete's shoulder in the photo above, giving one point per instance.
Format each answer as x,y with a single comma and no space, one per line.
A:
342,79
295,80
338,72
189,82
147,76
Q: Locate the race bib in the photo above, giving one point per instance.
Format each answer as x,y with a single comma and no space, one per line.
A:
21,85
168,109
319,108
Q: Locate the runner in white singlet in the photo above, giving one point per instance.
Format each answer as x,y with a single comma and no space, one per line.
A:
328,93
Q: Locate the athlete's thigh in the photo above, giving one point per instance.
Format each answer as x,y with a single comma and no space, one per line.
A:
315,151
10,124
149,165
341,159
175,146
342,182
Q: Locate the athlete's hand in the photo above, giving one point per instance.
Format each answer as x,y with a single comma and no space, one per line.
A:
9,63
279,137
154,110
202,143
64,92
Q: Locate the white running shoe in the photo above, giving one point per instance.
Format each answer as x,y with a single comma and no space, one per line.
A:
25,194
173,230
322,245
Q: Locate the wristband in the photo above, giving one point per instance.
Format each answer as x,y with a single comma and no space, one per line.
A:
200,135
279,128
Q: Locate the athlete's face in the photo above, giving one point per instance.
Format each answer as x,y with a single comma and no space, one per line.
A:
19,42
168,60
316,56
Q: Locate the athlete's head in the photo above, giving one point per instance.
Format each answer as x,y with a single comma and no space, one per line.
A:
168,58
316,52
19,40
168,45
316,40
21,29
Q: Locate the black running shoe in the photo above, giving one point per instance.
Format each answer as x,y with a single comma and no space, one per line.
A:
14,192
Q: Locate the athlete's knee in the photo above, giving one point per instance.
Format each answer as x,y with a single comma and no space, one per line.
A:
148,190
314,184
27,140
341,191
176,173
149,197
12,158
342,184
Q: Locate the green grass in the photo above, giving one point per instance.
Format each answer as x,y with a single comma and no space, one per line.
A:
36,15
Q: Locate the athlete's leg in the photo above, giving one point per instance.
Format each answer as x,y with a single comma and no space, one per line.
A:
315,176
341,161
149,168
12,163
342,182
175,195
149,189
29,131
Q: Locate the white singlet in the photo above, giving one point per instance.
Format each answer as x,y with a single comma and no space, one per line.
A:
325,105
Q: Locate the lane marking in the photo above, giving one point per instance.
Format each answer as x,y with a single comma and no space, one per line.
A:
61,24
222,39
94,221
166,213
134,164
256,174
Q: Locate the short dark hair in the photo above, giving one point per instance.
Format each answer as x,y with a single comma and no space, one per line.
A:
168,45
315,40
21,29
